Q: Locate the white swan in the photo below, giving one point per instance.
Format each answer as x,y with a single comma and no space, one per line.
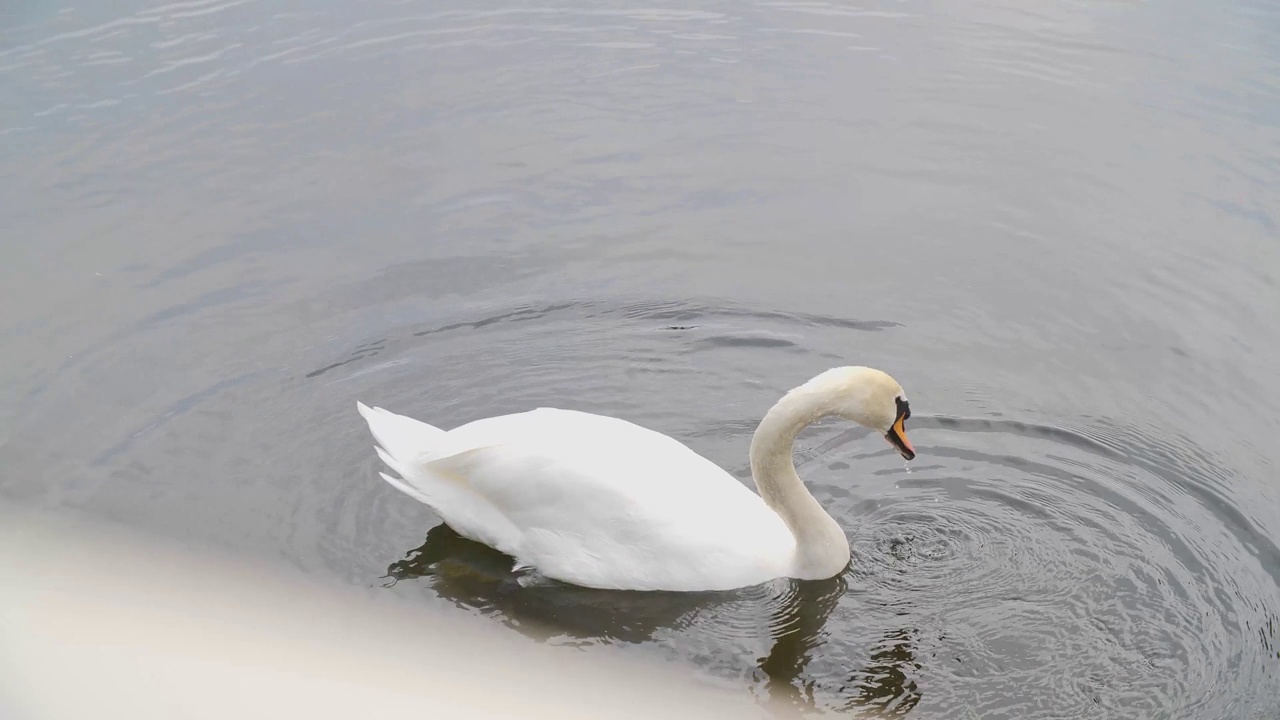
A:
600,502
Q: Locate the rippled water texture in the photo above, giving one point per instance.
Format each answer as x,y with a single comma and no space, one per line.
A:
1056,224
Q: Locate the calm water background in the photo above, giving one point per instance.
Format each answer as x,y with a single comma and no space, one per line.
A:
1055,223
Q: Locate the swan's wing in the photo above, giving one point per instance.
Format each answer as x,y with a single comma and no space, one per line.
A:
549,455
604,502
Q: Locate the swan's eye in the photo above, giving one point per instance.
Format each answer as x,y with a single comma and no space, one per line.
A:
904,408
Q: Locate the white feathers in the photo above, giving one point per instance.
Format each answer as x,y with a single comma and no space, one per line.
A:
601,502
399,435
588,499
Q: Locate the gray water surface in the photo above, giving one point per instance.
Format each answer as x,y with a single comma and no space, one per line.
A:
1055,223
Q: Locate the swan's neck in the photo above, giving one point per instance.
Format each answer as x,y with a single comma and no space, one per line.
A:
822,550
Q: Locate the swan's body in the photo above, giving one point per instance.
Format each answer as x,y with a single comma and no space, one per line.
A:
601,502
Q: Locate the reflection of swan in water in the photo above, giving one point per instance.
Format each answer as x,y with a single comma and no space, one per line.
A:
474,575
797,628
885,684
881,689
795,612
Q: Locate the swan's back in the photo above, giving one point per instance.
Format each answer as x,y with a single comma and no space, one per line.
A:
589,499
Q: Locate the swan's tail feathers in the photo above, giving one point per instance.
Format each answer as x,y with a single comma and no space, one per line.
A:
405,488
402,437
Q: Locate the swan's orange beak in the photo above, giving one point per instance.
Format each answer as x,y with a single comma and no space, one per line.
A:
897,436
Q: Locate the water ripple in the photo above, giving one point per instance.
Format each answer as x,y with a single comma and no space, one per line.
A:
1099,569
1064,567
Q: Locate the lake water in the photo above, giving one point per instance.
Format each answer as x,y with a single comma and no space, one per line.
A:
226,221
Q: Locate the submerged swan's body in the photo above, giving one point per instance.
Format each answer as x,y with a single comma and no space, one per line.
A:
601,502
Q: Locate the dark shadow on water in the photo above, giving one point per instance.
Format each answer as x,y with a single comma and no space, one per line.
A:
473,575
797,626
795,614
886,684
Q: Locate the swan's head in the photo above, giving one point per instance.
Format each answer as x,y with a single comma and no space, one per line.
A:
871,398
